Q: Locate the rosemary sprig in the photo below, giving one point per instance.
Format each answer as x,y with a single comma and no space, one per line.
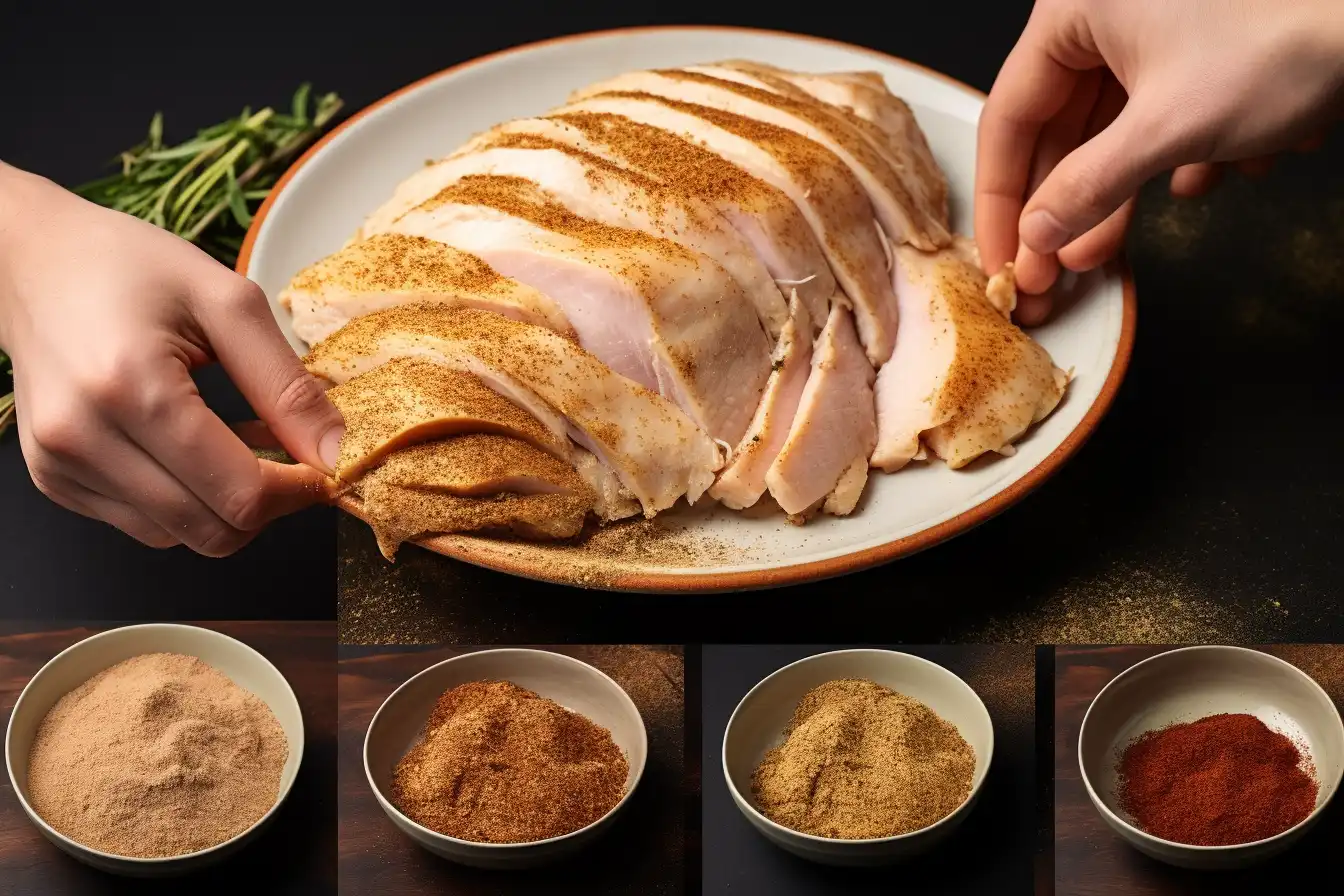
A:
207,189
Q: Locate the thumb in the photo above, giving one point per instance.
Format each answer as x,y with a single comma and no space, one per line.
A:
1094,180
246,340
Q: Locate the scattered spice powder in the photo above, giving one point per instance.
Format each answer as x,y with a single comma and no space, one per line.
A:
861,761
157,756
498,763
1219,781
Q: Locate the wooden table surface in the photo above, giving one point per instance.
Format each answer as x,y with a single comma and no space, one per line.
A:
643,853
1091,860
297,855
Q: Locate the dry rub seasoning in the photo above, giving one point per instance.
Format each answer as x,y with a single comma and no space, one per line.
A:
861,761
500,764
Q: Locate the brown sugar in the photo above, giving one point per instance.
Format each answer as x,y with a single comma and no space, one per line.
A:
498,763
157,756
861,761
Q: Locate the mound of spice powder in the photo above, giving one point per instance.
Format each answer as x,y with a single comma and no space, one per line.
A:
497,763
861,761
157,756
1222,780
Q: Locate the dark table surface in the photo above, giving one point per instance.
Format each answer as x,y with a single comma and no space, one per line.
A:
1000,832
296,855
643,853
1092,860
1205,507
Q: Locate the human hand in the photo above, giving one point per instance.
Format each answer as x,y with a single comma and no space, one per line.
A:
105,316
1098,96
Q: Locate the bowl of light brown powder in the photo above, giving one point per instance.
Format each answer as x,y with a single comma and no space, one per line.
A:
152,750
858,757
505,758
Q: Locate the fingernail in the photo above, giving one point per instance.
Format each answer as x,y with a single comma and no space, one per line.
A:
1043,233
329,449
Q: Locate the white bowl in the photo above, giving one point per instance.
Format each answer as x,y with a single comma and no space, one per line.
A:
757,725
575,685
1188,684
323,198
81,661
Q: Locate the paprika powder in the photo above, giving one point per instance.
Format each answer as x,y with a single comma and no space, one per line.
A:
1220,781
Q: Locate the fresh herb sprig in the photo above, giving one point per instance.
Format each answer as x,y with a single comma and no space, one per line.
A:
207,189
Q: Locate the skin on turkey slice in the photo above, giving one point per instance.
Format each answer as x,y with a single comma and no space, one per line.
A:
901,217
651,309
822,187
655,450
396,269
963,378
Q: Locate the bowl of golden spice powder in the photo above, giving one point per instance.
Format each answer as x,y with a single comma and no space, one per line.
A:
506,758
1212,757
153,750
858,757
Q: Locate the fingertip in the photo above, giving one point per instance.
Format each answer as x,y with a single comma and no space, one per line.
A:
329,447
1034,273
1032,310
1192,181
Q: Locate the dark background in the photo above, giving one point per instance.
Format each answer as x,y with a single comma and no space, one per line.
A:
1093,860
646,851
999,833
294,856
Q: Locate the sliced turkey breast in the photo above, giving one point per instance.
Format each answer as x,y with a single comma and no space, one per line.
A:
656,451
963,377
825,191
902,218
742,481
834,424
394,269
651,309
410,400
399,513
883,117
592,187
476,465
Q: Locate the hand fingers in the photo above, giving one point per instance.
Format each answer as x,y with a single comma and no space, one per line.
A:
85,502
1095,179
166,416
244,337
1032,310
1031,89
1100,244
1190,181
1256,167
256,434
1036,272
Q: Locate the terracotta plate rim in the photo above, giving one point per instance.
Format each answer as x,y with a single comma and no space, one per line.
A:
709,582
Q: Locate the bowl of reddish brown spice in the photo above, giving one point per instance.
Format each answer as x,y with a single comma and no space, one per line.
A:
1212,757
858,757
506,758
154,750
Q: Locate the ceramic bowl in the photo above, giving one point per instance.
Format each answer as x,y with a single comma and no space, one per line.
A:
81,661
575,685
757,725
1188,684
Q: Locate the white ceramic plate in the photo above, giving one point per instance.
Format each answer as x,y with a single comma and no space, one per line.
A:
325,196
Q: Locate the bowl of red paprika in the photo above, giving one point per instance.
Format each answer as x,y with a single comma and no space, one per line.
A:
1212,757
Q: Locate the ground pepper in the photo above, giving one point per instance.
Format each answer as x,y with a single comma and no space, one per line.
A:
861,761
498,763
1220,781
